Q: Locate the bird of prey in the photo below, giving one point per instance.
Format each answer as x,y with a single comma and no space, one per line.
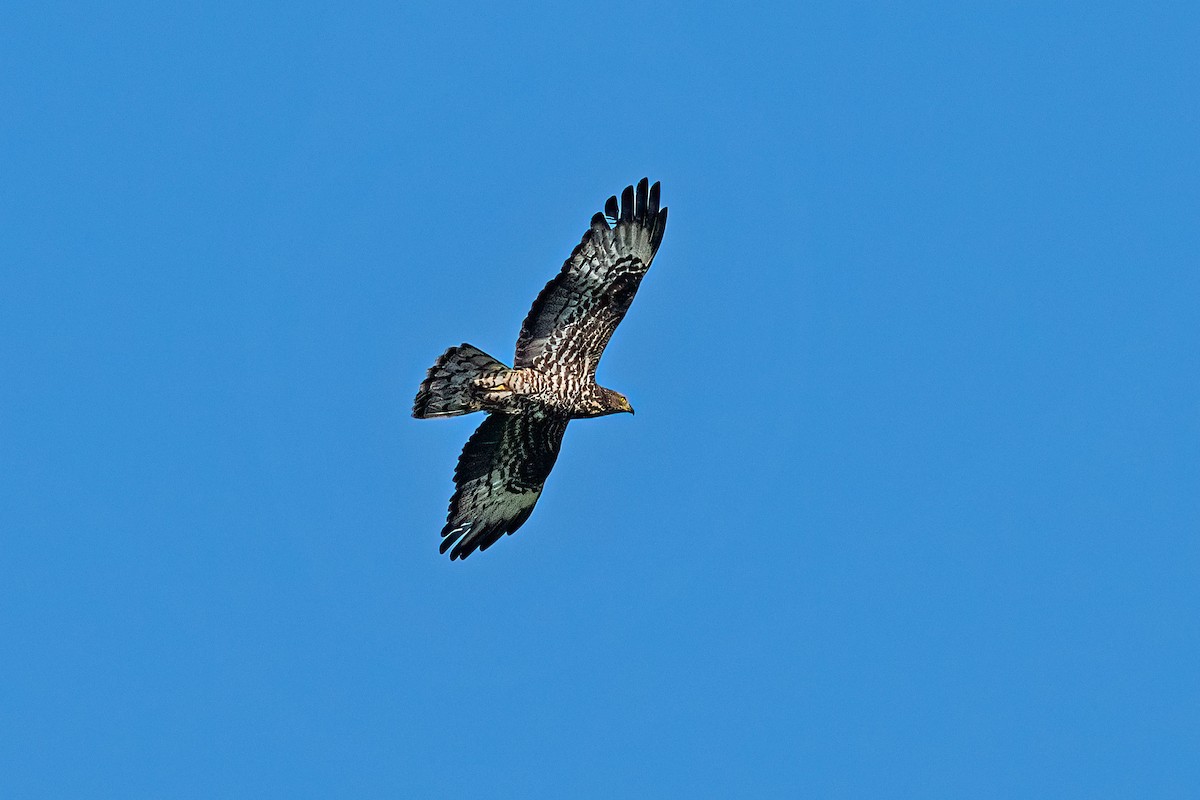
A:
504,465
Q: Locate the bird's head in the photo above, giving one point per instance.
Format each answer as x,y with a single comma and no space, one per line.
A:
616,403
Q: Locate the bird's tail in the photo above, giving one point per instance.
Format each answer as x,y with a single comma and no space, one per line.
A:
446,390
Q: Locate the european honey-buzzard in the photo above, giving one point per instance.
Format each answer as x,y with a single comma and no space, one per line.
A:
504,465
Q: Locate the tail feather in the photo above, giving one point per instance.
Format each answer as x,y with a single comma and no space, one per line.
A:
446,390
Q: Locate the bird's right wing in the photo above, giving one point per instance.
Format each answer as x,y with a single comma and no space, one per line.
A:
573,318
499,479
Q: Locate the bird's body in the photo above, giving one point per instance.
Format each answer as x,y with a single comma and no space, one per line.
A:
553,380
529,390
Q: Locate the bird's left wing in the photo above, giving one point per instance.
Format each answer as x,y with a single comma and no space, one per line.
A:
499,479
575,315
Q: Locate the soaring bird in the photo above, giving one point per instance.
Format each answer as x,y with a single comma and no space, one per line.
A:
504,464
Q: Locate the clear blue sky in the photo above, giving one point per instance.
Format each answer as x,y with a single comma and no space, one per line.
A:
910,506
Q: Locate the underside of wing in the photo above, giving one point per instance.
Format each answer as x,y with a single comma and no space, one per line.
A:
575,315
499,479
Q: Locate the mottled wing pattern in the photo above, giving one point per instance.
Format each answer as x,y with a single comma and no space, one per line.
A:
575,315
499,478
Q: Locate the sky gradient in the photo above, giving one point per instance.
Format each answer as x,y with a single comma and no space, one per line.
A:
910,506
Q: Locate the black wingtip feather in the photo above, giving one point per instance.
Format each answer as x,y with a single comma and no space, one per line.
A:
660,227
479,540
449,537
610,209
463,541
640,206
599,221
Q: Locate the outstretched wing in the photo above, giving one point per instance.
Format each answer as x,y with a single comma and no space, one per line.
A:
499,479
575,315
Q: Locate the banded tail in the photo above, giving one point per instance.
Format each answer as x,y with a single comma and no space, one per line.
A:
446,390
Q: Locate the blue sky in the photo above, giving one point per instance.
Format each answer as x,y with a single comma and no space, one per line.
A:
910,504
